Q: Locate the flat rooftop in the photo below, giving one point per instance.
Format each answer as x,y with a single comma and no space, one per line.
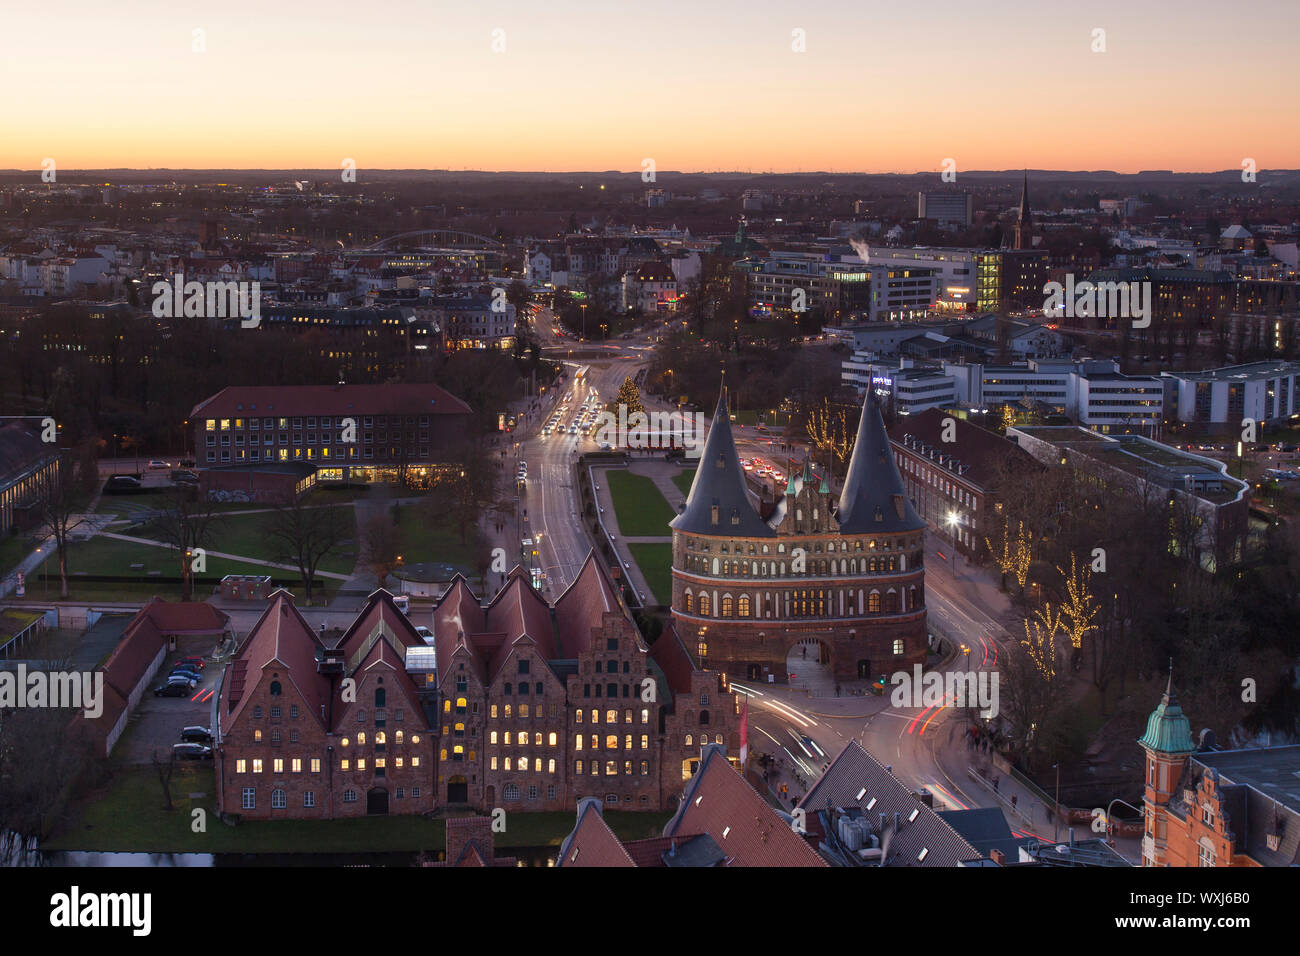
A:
1273,771
1141,457
1253,372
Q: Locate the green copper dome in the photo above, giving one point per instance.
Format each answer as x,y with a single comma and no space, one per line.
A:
1168,730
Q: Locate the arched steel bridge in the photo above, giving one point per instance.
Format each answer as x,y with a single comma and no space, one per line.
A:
436,238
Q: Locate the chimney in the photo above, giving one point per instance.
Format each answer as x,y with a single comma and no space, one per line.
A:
998,857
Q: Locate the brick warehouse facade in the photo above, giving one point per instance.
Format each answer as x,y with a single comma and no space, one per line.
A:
310,731
543,705
517,704
848,575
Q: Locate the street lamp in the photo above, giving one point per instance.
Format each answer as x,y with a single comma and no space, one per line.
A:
1109,837
953,520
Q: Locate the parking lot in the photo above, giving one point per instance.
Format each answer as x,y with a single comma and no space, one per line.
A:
157,721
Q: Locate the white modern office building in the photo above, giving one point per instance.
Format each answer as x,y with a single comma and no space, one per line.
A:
1262,391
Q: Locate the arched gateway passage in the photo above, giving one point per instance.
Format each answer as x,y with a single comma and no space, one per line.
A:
808,664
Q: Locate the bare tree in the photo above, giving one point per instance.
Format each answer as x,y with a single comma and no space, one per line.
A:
39,760
186,525
382,543
60,511
165,770
306,535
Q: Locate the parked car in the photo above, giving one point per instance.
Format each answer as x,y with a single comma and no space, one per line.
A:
157,464
184,476
182,679
194,663
192,751
186,673
173,689
123,485
188,463
196,734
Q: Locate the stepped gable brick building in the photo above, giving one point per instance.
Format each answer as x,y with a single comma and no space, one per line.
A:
846,576
306,730
543,705
1208,807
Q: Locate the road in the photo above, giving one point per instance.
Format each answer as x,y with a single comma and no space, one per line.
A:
548,500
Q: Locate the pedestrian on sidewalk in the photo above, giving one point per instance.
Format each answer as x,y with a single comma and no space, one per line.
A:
996,781
1013,801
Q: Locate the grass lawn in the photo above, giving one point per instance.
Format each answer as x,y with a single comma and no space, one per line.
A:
656,564
683,481
423,542
127,815
642,510
108,556
245,535
13,548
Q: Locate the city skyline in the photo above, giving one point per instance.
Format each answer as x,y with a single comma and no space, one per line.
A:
722,89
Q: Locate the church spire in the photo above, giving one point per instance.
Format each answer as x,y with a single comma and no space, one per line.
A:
1024,222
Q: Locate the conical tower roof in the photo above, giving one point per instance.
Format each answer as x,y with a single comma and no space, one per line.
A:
874,499
718,491
1024,199
1168,729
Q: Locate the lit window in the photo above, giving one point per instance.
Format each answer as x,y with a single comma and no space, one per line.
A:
257,765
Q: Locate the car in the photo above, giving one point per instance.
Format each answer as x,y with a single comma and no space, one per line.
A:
196,734
187,674
192,751
606,446
157,464
193,663
123,485
187,463
173,689
184,477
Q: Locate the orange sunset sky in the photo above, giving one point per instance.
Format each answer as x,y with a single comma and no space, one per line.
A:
702,85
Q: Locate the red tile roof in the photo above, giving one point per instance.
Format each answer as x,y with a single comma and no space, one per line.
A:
289,400
187,617
380,616
592,842
720,803
579,610
671,655
516,612
280,636
141,642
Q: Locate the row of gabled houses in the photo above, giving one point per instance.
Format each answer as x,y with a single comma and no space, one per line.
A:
516,704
